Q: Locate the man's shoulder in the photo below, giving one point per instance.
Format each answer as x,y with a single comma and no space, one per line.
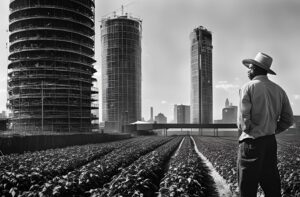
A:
248,84
275,85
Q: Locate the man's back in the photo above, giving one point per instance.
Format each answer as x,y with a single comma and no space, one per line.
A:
263,104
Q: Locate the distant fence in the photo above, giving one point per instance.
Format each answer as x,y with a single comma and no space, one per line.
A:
20,144
213,128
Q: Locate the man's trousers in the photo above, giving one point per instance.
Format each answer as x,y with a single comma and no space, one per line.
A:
257,164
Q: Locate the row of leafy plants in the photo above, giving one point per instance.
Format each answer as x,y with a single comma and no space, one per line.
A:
289,170
96,173
23,172
142,177
223,156
187,175
222,153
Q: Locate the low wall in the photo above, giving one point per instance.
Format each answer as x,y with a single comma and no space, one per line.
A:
20,144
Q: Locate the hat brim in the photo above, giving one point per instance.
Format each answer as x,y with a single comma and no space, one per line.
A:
247,62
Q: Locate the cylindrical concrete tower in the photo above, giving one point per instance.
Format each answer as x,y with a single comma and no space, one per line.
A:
121,71
50,83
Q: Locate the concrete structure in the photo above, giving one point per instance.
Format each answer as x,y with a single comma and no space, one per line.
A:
160,118
201,76
121,71
182,114
50,85
213,128
229,113
151,115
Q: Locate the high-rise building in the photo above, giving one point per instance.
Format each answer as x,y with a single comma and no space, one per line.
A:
160,118
175,114
121,71
151,114
182,114
51,84
201,76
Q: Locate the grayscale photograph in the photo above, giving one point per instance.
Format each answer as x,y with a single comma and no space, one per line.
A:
149,98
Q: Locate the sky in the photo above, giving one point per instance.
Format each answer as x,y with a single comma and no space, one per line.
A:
240,29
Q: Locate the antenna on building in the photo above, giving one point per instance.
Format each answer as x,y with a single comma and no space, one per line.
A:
122,9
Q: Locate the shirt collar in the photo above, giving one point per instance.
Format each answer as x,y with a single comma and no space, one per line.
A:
260,77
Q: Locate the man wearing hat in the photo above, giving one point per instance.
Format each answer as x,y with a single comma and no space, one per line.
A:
264,111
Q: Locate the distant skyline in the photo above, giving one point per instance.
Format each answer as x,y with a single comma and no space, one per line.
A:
239,29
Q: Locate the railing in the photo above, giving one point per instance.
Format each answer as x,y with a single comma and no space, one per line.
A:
85,15
83,4
45,68
31,28
49,17
74,116
51,6
66,59
95,105
52,87
54,38
16,60
95,89
36,48
65,77
50,95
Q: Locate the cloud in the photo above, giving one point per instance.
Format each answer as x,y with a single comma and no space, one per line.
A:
225,85
163,102
296,96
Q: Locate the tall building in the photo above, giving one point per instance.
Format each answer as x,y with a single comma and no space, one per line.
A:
175,114
161,118
51,84
182,114
201,76
151,114
121,71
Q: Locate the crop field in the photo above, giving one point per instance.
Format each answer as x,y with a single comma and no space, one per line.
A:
141,166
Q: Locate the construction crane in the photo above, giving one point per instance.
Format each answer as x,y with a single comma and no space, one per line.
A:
121,8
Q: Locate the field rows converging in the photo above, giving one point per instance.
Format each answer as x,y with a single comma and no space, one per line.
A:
187,175
96,173
141,166
141,177
29,171
19,172
221,184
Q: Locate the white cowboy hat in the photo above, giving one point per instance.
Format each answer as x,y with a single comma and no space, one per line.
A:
262,60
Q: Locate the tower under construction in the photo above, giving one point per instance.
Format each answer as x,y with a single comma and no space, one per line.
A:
50,73
201,76
121,71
